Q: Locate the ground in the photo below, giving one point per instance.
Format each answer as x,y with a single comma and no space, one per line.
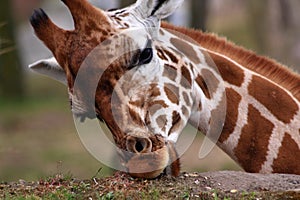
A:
209,185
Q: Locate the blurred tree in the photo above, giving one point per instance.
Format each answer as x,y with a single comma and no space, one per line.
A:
285,13
10,70
124,3
199,14
257,10
283,31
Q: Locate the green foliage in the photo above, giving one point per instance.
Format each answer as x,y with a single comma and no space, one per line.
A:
186,195
108,196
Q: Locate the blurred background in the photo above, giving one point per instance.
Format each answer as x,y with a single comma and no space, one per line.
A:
37,133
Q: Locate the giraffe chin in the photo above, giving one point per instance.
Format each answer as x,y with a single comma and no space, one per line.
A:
153,164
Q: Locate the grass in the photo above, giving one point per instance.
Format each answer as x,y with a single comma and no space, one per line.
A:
121,186
53,187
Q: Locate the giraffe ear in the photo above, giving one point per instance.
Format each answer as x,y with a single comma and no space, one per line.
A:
158,8
51,68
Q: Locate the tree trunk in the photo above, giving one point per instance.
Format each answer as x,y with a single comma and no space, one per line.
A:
11,86
199,14
285,14
258,22
124,3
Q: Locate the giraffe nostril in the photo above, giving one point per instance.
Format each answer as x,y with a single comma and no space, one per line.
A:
138,144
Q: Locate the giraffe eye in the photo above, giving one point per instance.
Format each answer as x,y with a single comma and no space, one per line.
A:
146,56
142,57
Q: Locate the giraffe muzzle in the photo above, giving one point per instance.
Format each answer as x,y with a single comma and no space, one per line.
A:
146,160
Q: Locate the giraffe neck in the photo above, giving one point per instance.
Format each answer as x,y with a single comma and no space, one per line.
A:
261,125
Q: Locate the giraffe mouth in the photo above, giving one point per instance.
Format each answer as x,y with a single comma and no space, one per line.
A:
153,164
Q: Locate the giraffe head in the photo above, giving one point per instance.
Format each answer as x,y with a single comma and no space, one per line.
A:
117,70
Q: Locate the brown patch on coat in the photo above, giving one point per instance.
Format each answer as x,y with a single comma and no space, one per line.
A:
211,81
154,90
252,148
172,93
276,100
288,157
170,72
185,111
219,127
124,15
200,106
186,99
161,32
176,51
186,49
209,61
158,102
176,119
186,80
147,118
155,106
138,103
161,121
152,108
232,101
161,54
229,71
171,55
202,84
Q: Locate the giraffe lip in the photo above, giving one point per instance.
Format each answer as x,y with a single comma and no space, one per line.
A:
153,164
148,165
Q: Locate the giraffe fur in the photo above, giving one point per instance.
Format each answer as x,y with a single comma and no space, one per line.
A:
248,104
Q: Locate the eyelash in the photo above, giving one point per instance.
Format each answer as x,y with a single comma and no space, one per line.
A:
143,57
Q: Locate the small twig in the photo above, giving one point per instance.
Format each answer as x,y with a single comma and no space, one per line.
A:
99,170
95,181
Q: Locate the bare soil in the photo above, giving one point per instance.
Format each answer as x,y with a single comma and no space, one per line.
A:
209,185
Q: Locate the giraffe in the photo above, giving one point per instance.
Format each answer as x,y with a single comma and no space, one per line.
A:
168,77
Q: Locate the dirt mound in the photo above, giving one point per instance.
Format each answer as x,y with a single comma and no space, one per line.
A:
227,180
209,185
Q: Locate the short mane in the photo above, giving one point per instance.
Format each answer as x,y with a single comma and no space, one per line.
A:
267,67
